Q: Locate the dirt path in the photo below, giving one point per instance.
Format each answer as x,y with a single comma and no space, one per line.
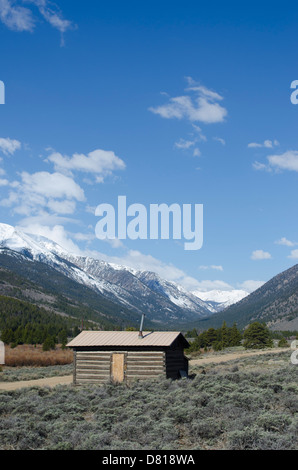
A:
47,382
67,380
232,356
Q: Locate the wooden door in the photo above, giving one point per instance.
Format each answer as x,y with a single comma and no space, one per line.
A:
118,367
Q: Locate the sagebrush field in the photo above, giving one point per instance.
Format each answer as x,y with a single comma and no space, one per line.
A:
250,403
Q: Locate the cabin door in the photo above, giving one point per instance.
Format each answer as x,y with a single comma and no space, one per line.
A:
118,367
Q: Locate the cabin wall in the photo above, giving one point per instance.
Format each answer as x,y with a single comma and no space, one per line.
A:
145,365
91,367
97,366
175,361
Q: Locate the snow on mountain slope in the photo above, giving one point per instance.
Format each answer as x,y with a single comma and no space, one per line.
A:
177,294
137,290
221,299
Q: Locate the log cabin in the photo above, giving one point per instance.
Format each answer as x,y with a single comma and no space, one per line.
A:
121,356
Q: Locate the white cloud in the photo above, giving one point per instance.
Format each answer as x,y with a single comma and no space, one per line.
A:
260,254
220,140
62,207
20,18
38,193
101,163
196,152
15,17
250,285
294,254
285,242
84,237
9,146
114,243
184,144
266,144
261,166
212,266
199,105
198,131
207,285
56,233
51,185
285,161
52,14
142,262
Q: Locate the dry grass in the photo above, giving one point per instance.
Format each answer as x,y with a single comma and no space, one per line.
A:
27,355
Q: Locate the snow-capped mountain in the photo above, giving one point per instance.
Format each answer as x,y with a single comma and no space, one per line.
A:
220,299
142,292
177,294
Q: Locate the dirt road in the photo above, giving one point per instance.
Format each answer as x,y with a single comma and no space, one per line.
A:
232,356
47,382
67,380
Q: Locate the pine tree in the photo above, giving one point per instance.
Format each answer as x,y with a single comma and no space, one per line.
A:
234,336
257,336
211,337
7,336
224,335
283,343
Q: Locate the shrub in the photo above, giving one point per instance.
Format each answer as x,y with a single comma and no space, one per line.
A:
283,343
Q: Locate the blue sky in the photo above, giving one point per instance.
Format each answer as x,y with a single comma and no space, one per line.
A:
164,102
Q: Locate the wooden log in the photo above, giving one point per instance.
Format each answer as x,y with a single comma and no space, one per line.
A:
145,370
91,377
145,364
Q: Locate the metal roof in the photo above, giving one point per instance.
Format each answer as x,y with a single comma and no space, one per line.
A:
125,338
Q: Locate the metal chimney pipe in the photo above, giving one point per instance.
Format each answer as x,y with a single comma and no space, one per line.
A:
141,327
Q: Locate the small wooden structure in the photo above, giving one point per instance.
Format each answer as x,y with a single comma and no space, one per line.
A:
2,353
121,356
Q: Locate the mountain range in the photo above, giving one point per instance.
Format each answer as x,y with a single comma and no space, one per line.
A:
115,293
274,303
220,299
37,269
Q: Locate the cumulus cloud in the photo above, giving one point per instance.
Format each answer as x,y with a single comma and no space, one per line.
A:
250,285
199,104
260,254
284,241
52,185
294,254
57,233
101,163
207,285
43,191
9,146
285,161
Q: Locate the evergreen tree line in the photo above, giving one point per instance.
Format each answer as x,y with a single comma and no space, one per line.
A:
217,339
25,323
255,336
